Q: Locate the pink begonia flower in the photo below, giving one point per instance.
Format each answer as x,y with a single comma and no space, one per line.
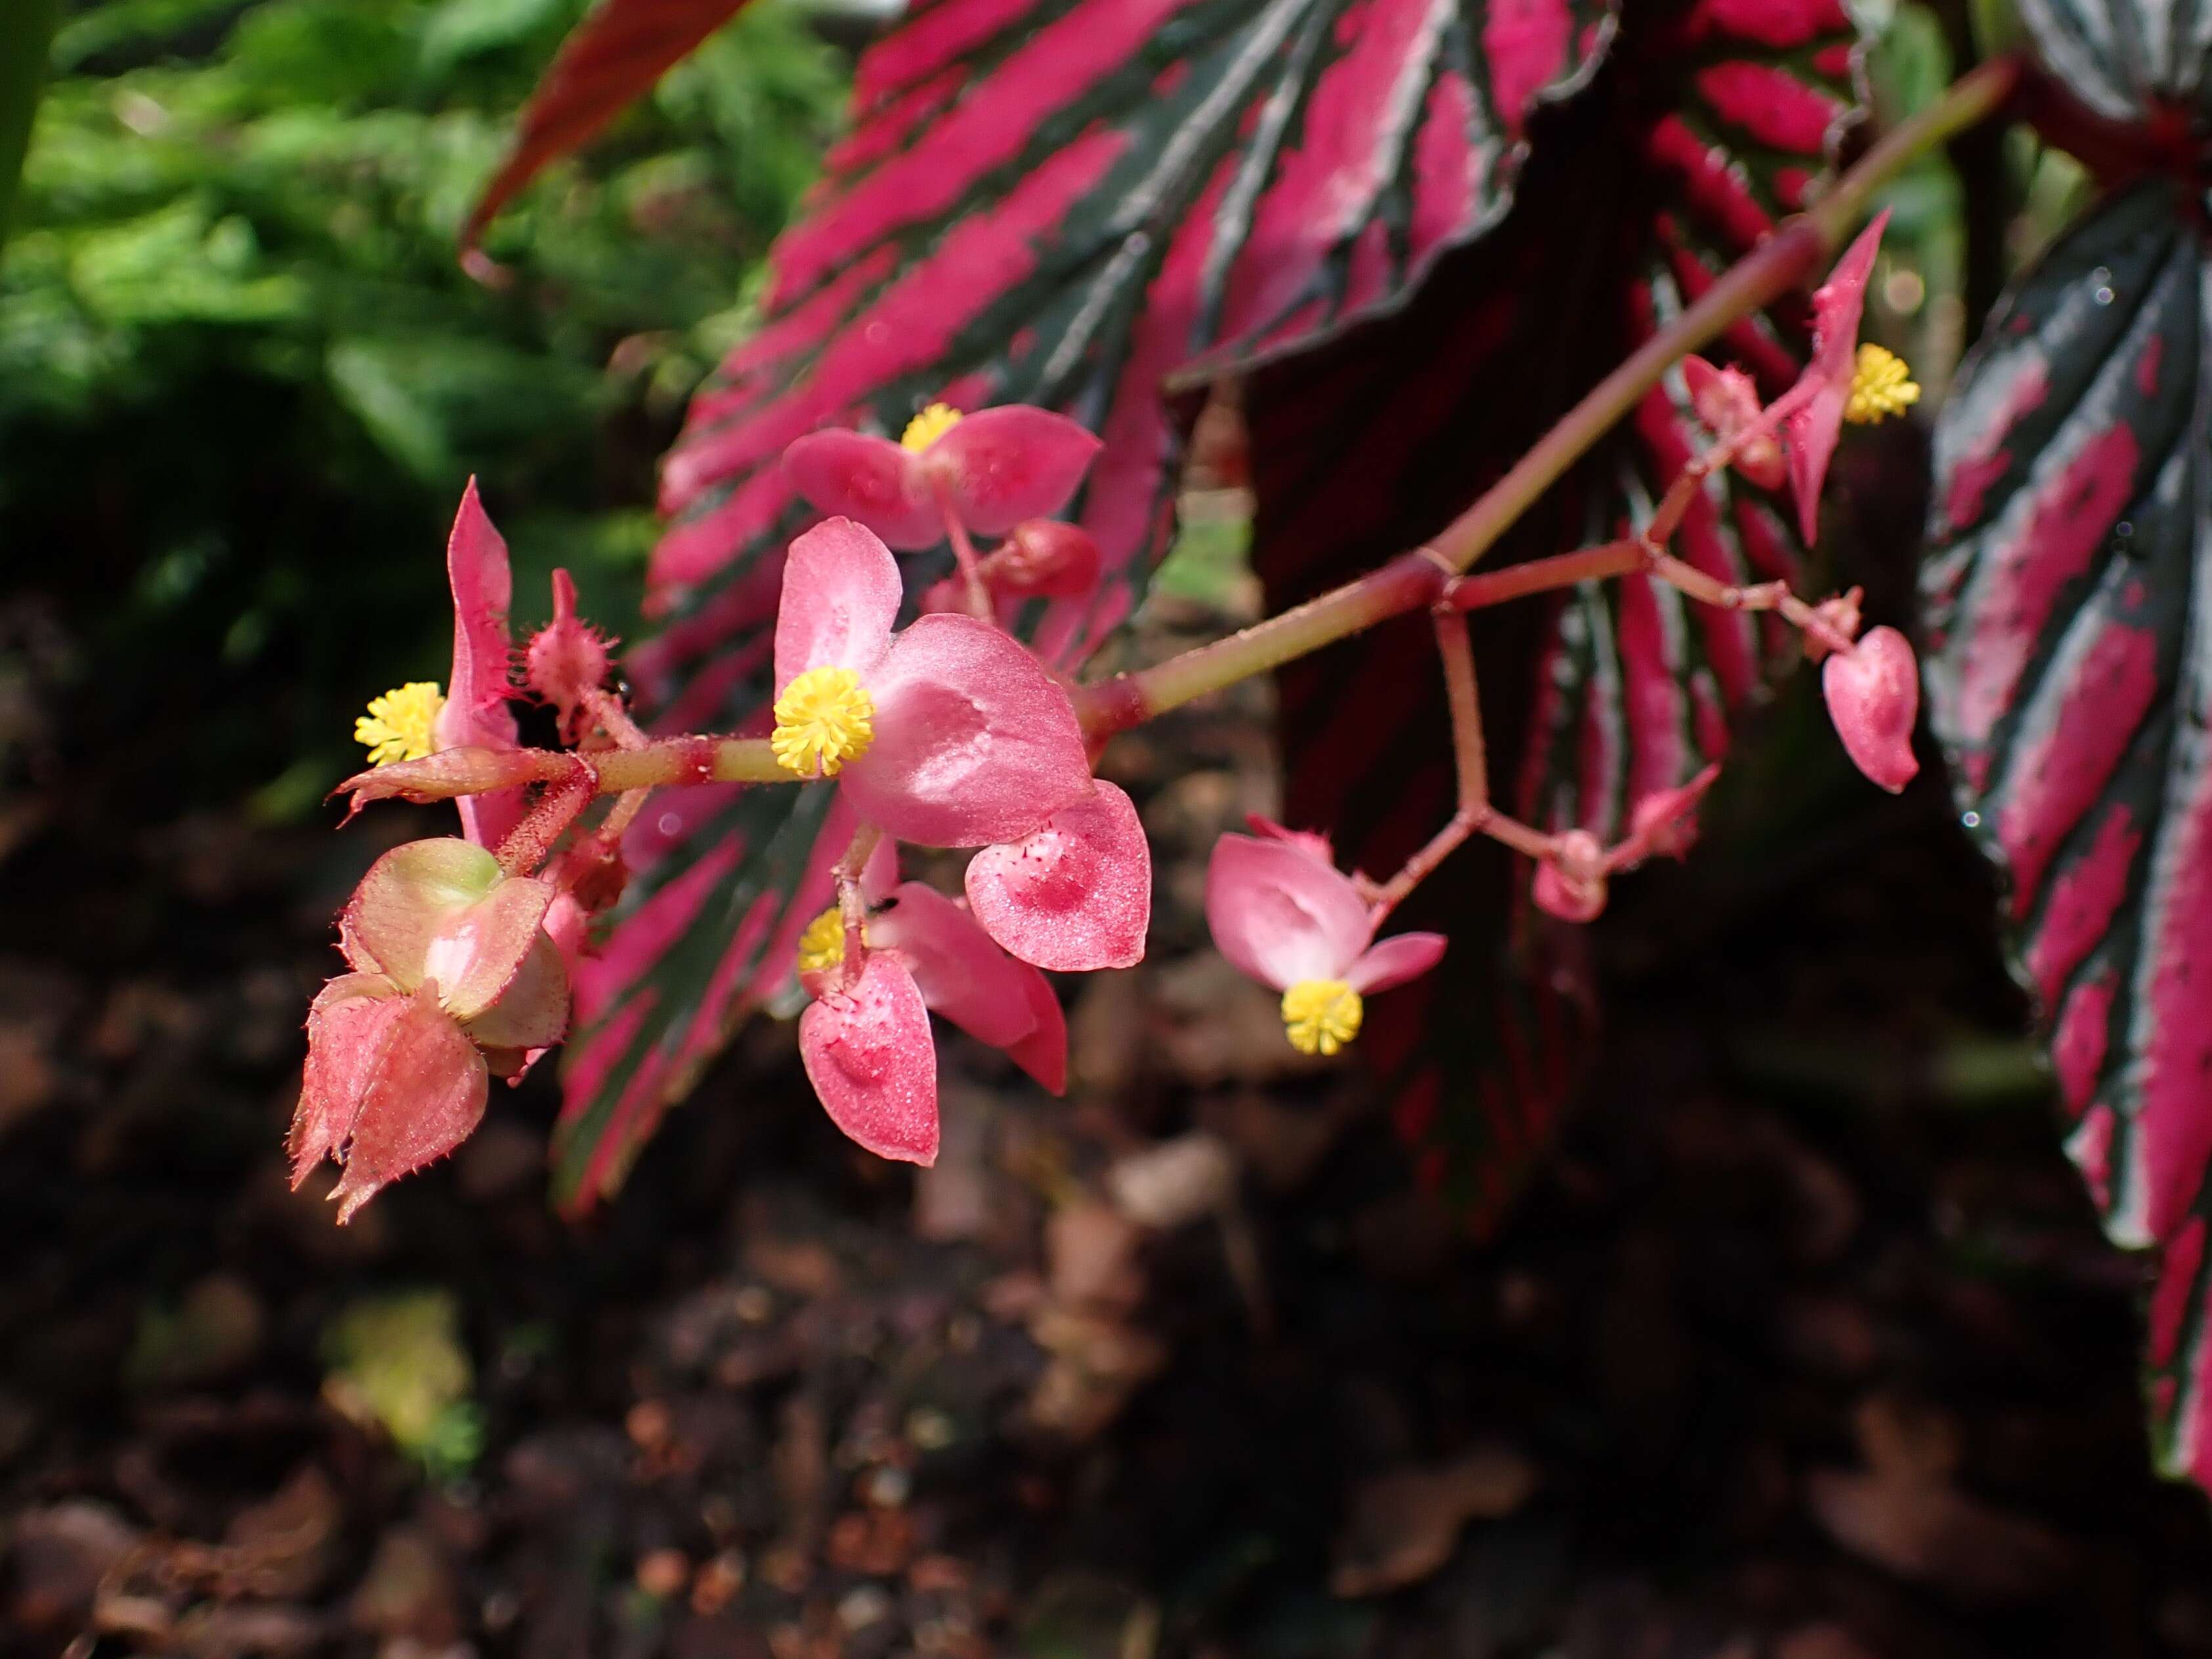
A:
1293,922
475,713
948,734
1873,693
1727,401
991,470
1664,824
1844,381
1076,894
1571,885
454,977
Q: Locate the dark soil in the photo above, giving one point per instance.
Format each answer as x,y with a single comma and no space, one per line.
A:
1804,1344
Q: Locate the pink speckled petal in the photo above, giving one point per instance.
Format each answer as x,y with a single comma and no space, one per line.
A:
425,1097
841,596
1003,465
1281,915
869,1054
871,480
1873,692
476,714
1076,894
1391,961
974,742
961,973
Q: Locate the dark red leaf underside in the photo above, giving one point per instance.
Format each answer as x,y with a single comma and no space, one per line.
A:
1057,202
608,61
1706,125
2070,679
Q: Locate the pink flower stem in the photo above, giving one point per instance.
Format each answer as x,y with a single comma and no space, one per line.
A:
1475,815
532,840
975,589
1761,596
615,720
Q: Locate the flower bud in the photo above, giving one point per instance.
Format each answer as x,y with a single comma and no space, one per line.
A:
1873,692
1571,884
1838,611
1045,559
566,660
1727,401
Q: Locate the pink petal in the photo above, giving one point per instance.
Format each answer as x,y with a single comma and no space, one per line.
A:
881,872
426,1097
869,1055
1002,465
1076,894
960,972
975,743
841,596
1391,961
349,1025
1812,431
476,714
1837,305
408,895
872,480
1311,842
1043,1053
476,955
1281,915
530,1011
1873,692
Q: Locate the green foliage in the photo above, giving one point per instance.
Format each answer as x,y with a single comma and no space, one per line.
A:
396,1364
242,378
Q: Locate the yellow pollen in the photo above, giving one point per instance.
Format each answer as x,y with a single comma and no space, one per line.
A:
1321,1015
824,718
821,946
1880,385
927,427
397,726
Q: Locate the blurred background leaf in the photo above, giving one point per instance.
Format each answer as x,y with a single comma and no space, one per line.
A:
242,378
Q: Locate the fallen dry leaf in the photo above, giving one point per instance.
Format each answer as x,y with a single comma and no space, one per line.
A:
1404,1523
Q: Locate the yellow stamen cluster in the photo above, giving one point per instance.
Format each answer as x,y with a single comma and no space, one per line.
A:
399,724
824,718
821,946
1880,385
1322,1015
927,427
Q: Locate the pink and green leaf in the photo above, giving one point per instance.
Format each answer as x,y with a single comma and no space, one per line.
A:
2069,681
